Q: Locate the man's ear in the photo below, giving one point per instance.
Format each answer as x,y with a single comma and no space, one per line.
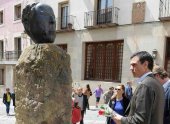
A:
146,64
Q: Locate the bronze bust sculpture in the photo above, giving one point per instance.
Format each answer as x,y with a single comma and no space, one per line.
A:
39,22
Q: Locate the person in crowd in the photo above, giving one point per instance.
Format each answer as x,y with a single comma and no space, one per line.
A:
76,112
163,78
81,99
98,92
7,100
146,105
118,102
128,90
87,91
13,98
108,94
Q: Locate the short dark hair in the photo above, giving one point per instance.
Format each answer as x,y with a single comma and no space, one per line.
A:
144,56
27,16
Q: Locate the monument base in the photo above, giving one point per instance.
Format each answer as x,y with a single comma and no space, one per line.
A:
43,87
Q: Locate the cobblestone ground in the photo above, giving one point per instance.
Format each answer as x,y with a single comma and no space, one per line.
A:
91,116
4,119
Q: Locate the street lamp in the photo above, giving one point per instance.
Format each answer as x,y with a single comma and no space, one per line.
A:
154,53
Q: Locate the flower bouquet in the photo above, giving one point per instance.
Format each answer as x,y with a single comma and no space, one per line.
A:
105,110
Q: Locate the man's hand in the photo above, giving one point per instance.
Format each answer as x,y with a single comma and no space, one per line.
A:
117,118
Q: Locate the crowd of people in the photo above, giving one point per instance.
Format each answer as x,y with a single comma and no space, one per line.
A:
116,98
148,103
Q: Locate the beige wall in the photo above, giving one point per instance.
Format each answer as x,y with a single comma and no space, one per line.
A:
136,37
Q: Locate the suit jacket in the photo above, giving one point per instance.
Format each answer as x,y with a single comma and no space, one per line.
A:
147,103
167,104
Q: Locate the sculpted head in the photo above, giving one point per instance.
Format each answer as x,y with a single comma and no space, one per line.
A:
39,22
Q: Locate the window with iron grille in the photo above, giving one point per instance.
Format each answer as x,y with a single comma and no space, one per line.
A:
167,56
1,76
63,46
103,61
17,12
1,17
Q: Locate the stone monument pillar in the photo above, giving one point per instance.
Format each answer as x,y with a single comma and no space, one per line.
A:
43,87
43,75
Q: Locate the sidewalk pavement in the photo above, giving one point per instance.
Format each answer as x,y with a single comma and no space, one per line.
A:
4,119
91,116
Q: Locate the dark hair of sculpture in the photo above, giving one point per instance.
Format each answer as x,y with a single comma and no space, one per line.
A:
39,22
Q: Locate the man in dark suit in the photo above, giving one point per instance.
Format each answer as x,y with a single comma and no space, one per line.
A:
146,106
163,78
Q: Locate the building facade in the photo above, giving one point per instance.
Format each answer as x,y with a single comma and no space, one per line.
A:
99,35
105,33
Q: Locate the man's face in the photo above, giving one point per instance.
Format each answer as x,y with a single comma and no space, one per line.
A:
137,68
157,76
43,24
79,91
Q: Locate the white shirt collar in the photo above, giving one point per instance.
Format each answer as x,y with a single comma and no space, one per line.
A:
143,77
166,84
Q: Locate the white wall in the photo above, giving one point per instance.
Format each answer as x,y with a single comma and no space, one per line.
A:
79,7
136,37
152,10
9,77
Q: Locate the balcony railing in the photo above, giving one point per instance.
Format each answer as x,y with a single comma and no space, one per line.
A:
108,16
65,23
10,55
164,10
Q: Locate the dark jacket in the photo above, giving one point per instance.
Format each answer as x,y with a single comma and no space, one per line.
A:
167,104
5,97
85,101
112,104
147,103
13,98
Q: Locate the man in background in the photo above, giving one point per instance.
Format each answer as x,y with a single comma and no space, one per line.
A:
108,94
163,78
128,90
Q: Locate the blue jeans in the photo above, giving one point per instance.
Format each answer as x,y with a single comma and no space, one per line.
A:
7,107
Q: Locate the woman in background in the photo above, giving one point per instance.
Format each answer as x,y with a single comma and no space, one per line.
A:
118,102
88,93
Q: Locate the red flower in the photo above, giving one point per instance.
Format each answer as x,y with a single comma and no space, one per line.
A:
101,112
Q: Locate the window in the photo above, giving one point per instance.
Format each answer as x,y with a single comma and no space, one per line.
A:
103,61
1,49
104,11
103,4
167,56
63,46
1,76
1,17
64,16
17,47
17,12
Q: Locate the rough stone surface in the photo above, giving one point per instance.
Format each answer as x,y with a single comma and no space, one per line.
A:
43,88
